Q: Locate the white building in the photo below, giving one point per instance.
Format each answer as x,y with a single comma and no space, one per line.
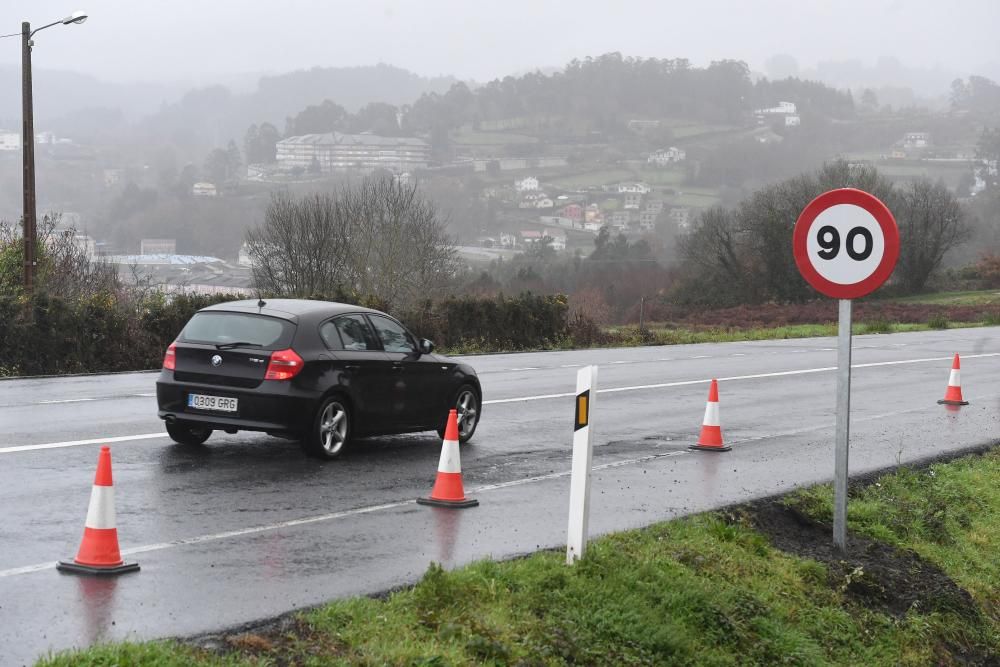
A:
544,202
158,247
793,120
203,190
640,188
10,141
916,140
681,216
528,184
337,152
782,109
667,156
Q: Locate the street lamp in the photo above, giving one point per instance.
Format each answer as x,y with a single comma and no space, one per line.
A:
28,139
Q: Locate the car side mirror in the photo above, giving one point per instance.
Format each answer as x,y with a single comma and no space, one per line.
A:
426,347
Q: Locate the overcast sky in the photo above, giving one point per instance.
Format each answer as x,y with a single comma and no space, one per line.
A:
204,40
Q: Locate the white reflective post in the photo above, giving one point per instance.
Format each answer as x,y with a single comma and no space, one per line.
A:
843,430
579,486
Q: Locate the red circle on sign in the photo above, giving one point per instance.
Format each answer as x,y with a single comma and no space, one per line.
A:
890,234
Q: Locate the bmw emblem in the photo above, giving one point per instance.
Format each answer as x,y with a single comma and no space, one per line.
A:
216,360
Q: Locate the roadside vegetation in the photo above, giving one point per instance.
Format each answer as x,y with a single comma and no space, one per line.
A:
756,584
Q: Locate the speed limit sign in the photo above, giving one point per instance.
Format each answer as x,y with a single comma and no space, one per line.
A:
846,243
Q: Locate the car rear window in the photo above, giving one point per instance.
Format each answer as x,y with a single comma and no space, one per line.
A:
221,328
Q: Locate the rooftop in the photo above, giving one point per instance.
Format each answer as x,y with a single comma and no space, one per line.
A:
340,139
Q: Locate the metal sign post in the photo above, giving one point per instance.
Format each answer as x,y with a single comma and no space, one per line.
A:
579,485
846,244
843,431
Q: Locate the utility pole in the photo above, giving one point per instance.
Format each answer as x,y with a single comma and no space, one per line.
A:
28,154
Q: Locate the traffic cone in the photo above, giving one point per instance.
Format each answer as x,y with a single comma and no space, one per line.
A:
99,553
953,395
448,491
711,428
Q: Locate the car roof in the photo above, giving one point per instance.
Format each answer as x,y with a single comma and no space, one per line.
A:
289,309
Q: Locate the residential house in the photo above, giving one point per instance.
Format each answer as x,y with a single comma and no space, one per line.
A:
545,202
782,109
203,190
558,239
572,211
592,212
654,206
647,221
527,184
793,120
508,240
664,157
681,216
640,188
594,226
916,140
9,141
633,200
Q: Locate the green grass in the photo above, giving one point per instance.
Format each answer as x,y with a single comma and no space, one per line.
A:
972,298
492,138
593,178
948,513
704,590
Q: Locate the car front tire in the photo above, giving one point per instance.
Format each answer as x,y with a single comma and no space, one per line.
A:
186,434
331,429
467,404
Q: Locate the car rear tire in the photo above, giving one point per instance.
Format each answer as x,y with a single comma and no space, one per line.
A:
187,434
331,430
467,404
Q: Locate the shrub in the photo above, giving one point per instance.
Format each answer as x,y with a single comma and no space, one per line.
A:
938,322
877,326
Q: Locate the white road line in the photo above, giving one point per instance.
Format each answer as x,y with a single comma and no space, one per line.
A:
79,443
543,397
65,400
253,530
146,395
701,356
666,359
526,368
756,376
570,365
738,354
621,362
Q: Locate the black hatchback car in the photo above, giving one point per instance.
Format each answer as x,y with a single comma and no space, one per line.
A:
320,372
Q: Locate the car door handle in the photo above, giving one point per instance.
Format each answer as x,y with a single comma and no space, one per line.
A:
397,368
351,367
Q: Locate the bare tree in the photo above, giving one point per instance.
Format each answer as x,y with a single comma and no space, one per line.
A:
931,223
65,268
378,237
299,250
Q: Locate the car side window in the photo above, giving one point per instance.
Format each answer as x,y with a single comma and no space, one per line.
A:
328,332
394,337
354,333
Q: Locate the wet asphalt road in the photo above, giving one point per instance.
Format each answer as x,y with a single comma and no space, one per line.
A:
247,527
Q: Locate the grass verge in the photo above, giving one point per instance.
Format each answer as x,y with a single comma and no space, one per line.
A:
918,587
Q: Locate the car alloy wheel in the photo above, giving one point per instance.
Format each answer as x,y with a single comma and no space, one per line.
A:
331,430
467,407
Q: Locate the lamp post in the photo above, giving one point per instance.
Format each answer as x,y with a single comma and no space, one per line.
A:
28,147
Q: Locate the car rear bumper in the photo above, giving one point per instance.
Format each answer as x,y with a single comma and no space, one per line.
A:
272,406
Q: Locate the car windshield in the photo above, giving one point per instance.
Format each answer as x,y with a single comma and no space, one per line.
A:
238,330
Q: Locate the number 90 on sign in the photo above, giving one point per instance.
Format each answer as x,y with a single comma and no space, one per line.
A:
846,243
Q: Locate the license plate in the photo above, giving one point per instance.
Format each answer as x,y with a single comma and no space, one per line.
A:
205,402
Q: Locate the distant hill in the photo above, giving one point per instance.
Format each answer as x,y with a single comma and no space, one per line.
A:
85,108
58,93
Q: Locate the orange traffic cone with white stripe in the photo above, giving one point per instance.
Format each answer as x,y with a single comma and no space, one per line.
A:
99,553
711,428
953,394
448,490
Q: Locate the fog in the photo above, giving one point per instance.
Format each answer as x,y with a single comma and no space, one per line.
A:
231,42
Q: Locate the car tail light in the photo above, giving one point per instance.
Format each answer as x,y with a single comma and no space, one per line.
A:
284,365
170,358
